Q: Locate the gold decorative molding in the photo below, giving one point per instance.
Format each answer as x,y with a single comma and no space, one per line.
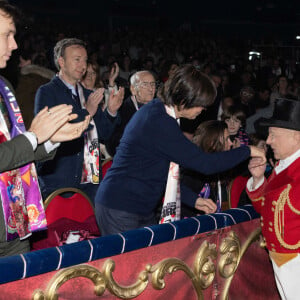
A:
230,250
231,255
65,275
124,292
202,274
204,267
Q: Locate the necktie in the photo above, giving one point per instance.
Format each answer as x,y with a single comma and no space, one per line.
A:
76,97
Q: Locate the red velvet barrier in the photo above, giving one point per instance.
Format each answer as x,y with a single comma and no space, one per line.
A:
252,280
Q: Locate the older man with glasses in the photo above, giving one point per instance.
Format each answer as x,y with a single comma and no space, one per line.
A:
142,87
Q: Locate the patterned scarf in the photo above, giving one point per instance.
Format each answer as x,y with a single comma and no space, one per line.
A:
90,170
206,191
20,193
171,207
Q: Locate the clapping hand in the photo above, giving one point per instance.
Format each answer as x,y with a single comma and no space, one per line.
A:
114,73
115,100
94,101
70,131
48,121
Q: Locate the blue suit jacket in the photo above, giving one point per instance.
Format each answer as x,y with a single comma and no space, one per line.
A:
152,139
65,169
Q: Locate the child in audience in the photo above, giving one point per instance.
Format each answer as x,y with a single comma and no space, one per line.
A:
210,136
235,119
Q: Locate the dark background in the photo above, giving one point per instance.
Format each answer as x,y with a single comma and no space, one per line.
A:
255,10
268,26
246,17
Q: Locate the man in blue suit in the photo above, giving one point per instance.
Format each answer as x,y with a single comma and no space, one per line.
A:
77,162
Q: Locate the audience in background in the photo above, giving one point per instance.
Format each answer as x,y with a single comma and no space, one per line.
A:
235,119
32,76
280,88
167,68
91,78
126,67
246,100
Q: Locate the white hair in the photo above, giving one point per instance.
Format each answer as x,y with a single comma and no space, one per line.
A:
135,78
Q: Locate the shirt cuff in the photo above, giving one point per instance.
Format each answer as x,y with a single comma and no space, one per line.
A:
115,87
31,138
112,115
49,146
250,184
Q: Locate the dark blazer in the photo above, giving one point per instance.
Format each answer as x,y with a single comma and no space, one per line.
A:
65,170
136,181
18,152
126,111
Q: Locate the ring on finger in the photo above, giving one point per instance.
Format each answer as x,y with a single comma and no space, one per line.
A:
49,112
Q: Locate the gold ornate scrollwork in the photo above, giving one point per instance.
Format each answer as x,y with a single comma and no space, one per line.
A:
204,267
101,281
201,275
232,254
124,292
169,266
64,275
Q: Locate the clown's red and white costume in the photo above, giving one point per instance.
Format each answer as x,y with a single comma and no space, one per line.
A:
277,200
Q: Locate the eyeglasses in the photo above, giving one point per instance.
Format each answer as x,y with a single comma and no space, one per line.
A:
248,95
145,84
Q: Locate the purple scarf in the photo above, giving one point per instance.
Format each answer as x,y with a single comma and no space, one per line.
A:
22,203
205,193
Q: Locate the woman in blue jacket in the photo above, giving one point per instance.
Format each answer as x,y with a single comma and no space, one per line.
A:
135,184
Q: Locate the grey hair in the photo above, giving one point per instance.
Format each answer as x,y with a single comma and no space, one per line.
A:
135,78
60,48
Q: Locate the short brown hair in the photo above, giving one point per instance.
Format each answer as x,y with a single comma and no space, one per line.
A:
188,87
209,136
60,48
10,11
234,111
